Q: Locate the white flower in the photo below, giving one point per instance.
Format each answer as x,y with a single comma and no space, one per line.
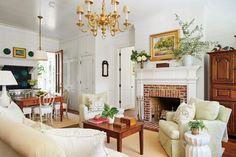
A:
144,58
139,58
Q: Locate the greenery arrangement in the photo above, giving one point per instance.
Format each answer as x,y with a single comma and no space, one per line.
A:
32,82
40,69
109,112
139,56
195,126
191,43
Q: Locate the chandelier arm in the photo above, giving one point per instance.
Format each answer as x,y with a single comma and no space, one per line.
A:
120,30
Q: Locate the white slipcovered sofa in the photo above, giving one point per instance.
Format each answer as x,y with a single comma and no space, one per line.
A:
21,137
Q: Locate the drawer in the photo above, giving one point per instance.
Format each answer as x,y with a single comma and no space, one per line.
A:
220,93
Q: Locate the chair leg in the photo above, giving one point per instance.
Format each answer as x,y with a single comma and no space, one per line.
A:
41,118
51,119
66,112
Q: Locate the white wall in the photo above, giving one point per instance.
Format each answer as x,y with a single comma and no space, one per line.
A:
14,37
217,21
107,49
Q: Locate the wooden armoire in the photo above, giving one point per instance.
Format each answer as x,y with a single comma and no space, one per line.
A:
222,85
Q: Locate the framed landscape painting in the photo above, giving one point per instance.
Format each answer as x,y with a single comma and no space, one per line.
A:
19,52
162,45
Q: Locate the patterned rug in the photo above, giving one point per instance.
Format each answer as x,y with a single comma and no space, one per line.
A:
153,126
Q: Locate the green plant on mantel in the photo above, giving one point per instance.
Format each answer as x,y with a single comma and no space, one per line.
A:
139,57
191,43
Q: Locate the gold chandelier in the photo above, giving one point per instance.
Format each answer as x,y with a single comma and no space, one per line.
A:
103,21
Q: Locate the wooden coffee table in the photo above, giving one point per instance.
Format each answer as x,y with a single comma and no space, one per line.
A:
118,133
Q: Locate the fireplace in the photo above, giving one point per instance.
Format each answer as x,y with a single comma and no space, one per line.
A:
158,98
161,105
174,84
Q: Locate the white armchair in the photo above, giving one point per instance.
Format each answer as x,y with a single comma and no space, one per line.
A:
86,112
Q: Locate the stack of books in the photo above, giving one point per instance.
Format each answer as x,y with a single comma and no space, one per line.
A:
98,121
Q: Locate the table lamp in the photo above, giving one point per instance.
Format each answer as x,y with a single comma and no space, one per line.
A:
6,79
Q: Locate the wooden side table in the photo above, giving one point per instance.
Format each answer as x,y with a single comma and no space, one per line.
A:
197,145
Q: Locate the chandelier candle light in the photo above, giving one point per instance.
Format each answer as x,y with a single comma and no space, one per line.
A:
103,21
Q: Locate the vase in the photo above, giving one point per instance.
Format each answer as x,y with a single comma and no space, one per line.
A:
195,131
188,60
111,120
141,65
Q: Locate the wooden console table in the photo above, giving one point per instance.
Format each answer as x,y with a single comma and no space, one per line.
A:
34,101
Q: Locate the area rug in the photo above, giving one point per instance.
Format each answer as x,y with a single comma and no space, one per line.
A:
152,147
153,126
72,120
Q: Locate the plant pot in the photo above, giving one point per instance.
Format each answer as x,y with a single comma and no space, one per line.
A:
188,60
111,120
195,131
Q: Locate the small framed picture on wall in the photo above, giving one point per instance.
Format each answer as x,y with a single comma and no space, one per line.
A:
19,52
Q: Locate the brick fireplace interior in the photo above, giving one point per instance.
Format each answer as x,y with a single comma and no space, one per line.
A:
160,105
161,98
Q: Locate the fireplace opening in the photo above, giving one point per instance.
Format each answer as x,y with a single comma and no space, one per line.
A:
161,105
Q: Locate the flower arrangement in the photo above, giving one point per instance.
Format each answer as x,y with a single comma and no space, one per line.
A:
139,57
191,43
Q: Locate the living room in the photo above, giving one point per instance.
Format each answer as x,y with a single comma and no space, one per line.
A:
159,67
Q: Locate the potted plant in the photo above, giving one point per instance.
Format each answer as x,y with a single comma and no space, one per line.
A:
139,57
196,126
109,112
32,83
191,44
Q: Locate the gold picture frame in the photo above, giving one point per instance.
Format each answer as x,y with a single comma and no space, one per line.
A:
163,44
19,52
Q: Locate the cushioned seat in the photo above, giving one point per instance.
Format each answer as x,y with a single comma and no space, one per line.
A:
215,118
170,129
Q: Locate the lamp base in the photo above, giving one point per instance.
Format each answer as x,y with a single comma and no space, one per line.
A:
4,98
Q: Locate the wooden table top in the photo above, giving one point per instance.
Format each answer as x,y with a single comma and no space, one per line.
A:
110,127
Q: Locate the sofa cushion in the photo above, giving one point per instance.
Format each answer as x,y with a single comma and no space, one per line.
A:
26,141
13,112
79,142
184,113
95,102
206,110
170,128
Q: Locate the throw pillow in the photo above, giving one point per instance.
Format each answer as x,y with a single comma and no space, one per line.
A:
95,102
184,113
79,142
207,110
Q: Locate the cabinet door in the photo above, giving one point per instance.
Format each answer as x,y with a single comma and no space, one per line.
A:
231,125
87,70
223,68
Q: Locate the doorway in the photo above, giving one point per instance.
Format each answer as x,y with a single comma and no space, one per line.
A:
126,79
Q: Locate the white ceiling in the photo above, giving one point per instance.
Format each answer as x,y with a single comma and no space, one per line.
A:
60,22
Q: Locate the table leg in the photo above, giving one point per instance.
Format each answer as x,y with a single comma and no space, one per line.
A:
141,141
119,144
61,109
108,138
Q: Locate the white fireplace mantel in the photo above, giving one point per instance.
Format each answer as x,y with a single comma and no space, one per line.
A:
182,75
